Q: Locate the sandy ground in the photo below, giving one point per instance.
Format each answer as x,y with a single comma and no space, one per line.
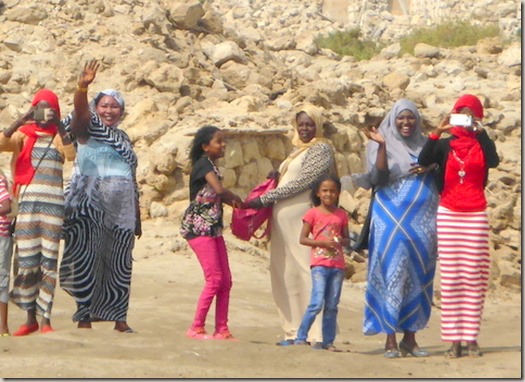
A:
165,287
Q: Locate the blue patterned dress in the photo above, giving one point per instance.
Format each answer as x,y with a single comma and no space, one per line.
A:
402,256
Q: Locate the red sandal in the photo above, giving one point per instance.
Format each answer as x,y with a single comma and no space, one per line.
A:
24,330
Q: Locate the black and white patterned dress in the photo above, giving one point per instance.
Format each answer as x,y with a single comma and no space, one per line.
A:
99,225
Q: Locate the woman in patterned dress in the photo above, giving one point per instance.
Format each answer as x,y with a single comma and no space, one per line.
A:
40,145
102,210
312,158
402,241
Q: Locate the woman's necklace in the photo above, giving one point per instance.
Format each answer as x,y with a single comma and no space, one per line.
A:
462,166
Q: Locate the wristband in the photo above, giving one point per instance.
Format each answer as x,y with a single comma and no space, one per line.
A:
433,136
81,89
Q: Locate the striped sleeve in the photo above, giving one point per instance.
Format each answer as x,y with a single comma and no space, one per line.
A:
114,137
317,161
4,191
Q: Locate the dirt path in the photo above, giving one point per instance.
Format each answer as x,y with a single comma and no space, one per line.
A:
164,292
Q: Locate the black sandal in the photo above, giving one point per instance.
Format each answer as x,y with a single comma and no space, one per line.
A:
474,350
454,351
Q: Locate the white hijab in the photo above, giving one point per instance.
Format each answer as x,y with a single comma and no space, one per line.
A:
399,149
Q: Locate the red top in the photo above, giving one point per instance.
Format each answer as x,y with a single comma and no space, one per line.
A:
465,170
325,227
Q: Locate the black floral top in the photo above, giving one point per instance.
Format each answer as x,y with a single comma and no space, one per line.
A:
203,217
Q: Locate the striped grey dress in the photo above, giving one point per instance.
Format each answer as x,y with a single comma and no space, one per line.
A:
99,225
38,229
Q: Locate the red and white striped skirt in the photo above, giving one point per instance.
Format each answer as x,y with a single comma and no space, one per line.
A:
463,250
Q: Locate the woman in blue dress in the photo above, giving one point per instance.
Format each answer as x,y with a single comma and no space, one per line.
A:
402,241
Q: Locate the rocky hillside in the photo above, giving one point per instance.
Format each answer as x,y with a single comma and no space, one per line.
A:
242,65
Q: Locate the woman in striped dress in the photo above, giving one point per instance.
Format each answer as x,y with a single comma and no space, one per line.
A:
462,223
39,144
102,210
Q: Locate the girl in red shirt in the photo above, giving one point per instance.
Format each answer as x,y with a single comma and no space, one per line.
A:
328,226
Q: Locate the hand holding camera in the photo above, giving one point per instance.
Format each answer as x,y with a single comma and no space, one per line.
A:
465,121
44,115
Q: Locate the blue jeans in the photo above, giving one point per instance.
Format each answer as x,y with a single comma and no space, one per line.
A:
326,288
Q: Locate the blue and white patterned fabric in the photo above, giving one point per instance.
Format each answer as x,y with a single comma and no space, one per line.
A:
402,256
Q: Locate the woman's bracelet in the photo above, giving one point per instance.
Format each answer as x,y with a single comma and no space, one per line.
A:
81,89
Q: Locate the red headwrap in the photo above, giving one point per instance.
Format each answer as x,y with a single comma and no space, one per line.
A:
466,143
24,170
470,101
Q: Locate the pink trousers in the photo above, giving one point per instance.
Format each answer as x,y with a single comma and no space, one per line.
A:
213,257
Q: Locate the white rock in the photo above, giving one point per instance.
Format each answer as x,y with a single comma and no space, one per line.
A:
227,51
157,210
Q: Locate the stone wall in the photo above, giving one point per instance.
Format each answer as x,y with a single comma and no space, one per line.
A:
390,20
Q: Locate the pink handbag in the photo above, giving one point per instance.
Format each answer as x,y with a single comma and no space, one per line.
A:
245,222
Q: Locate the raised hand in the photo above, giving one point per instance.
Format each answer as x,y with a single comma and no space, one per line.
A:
89,73
28,115
373,134
444,125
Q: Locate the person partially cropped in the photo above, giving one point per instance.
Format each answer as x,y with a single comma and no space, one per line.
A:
40,145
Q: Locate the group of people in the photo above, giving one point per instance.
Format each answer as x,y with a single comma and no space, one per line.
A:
428,203
97,216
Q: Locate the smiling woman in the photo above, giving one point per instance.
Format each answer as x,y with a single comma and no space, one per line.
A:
312,158
402,239
102,209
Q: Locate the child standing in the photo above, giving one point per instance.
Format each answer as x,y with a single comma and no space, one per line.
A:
202,227
6,251
328,225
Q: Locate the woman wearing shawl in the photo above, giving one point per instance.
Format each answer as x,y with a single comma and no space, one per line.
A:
102,210
464,160
40,145
402,241
312,158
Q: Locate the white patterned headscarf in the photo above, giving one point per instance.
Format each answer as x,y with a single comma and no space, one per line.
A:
112,93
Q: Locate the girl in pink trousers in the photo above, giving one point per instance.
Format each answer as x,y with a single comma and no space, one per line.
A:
202,227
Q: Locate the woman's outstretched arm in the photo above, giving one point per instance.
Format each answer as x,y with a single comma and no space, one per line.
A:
82,114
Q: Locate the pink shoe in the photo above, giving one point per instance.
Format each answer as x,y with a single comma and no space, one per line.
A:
224,336
198,334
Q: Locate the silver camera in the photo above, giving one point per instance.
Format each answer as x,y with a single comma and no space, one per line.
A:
460,120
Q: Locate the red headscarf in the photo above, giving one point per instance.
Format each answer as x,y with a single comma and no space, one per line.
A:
470,101
24,170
